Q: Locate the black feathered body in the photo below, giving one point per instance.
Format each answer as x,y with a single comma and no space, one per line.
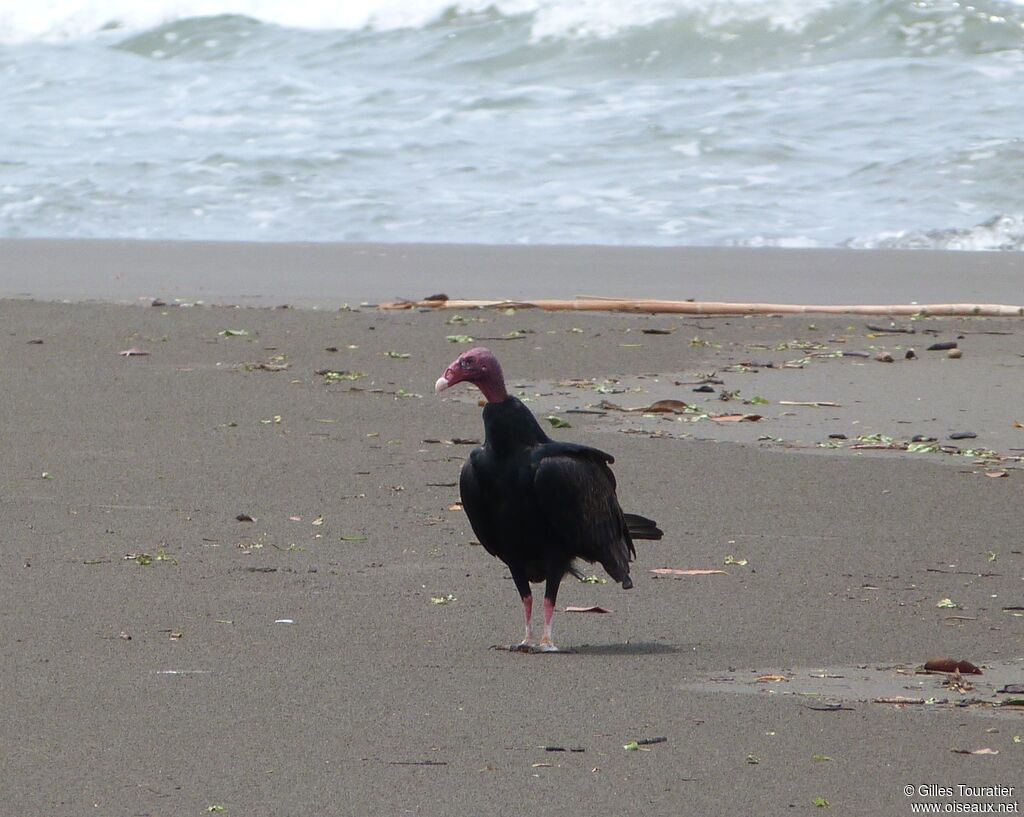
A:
538,504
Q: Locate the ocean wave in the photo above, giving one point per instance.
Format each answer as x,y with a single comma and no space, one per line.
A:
1002,232
909,24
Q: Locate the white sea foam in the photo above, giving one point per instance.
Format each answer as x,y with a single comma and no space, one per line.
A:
1005,232
70,19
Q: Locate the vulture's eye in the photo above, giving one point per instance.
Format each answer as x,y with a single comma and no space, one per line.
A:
469,361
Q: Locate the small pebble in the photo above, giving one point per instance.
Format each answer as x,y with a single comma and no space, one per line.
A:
883,357
910,355
955,354
962,435
942,346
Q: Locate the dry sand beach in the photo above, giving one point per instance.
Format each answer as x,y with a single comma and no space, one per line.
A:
329,653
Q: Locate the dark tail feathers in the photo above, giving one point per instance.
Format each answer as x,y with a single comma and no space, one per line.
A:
640,527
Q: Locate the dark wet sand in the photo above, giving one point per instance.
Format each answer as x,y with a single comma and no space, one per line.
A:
267,274
378,701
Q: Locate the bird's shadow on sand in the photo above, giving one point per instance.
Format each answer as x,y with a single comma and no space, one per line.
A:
634,648
638,648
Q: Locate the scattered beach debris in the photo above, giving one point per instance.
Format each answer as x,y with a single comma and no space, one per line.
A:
133,352
336,376
446,599
641,744
277,363
244,517
947,604
233,333
558,422
942,346
891,329
734,418
591,609
963,435
982,751
692,571
659,406
951,665
733,560
284,621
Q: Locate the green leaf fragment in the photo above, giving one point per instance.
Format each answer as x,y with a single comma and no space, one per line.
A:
216,809
947,604
398,355
353,538
732,560
821,758
233,333
557,421
875,438
753,760
459,338
820,802
448,599
331,376
634,746
594,580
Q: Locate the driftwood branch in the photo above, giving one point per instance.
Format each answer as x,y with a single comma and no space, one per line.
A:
647,306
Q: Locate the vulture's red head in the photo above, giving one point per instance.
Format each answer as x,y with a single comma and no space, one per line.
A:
480,367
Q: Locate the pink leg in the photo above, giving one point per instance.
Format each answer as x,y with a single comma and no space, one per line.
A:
546,644
528,615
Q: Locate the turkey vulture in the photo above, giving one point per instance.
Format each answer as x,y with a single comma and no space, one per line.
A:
538,504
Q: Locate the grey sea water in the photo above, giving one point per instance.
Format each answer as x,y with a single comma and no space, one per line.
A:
896,123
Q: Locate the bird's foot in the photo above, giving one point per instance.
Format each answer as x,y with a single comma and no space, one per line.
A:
526,645
547,645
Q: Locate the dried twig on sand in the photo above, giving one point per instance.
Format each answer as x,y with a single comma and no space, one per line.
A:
649,306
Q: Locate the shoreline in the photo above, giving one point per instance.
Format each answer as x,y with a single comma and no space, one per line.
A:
329,275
